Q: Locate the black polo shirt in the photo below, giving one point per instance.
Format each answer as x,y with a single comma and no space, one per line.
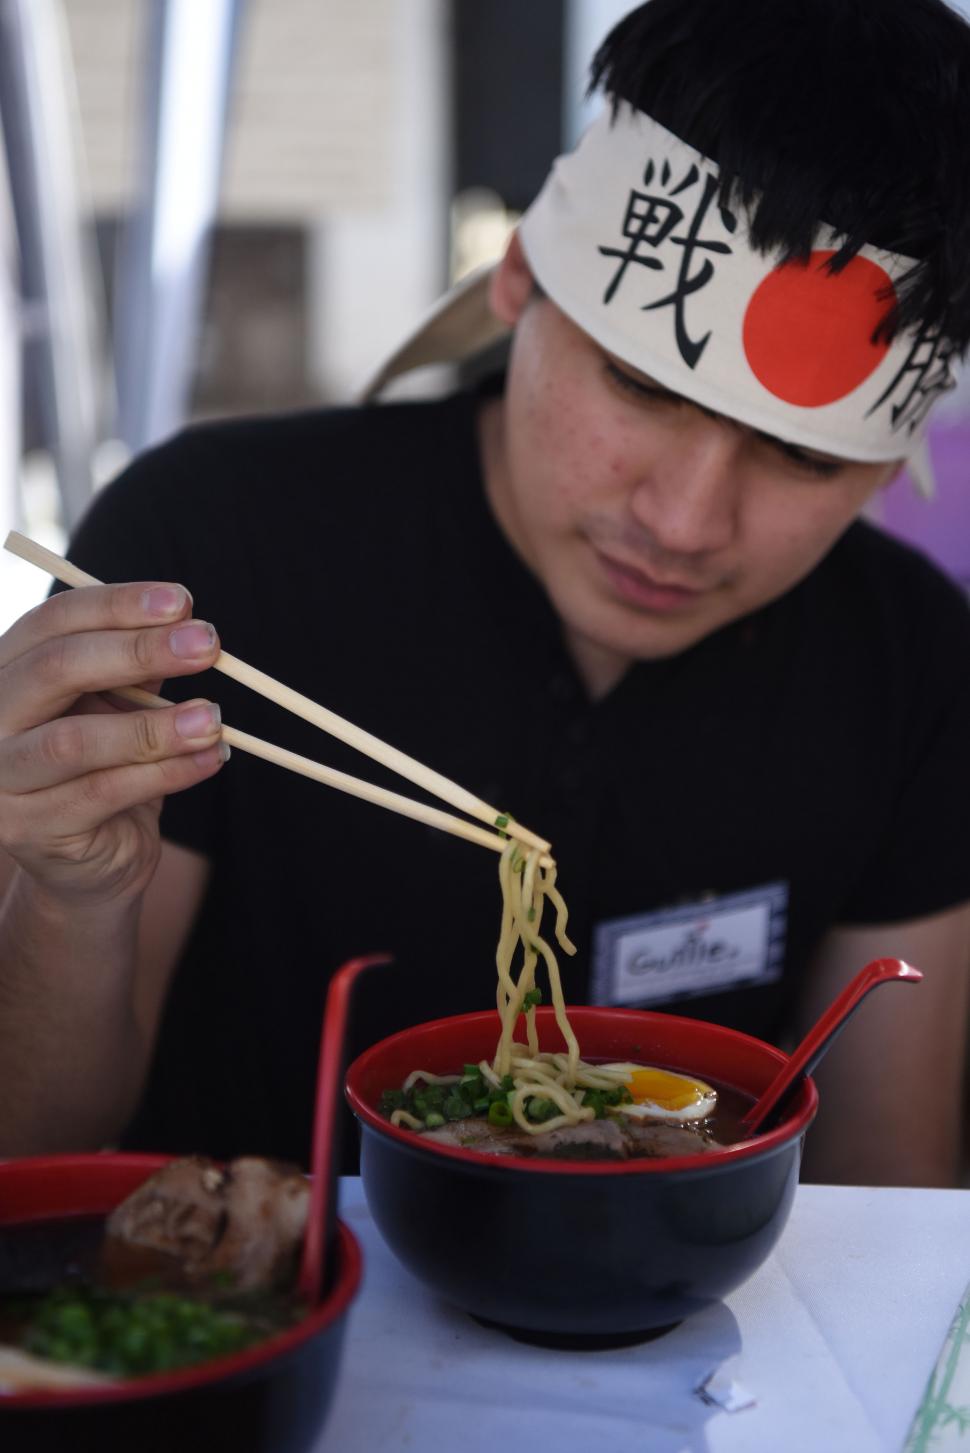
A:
820,745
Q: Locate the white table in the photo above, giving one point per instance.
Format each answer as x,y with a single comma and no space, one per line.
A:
834,1337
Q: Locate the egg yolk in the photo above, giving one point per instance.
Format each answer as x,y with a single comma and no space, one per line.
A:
666,1089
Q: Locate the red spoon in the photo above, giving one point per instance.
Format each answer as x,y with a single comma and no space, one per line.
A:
818,1040
321,1222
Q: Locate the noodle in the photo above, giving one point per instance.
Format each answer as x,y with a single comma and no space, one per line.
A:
546,1090
405,1118
430,1079
561,1079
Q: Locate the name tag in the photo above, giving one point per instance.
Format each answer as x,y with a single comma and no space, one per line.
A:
733,942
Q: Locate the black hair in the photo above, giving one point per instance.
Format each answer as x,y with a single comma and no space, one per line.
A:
854,113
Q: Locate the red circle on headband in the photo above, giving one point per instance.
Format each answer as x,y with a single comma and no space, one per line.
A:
808,332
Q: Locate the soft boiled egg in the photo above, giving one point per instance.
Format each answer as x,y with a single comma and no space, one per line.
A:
664,1095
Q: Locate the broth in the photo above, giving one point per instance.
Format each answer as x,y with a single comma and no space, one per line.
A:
71,1294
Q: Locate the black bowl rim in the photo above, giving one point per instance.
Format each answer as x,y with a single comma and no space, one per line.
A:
218,1369
756,1147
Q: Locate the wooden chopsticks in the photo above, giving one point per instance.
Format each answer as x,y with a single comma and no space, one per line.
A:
328,721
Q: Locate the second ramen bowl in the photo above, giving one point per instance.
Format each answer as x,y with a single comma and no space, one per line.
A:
580,1253
273,1397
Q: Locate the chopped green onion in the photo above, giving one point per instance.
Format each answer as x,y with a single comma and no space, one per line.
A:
533,998
502,820
432,1121
539,1108
131,1333
499,1114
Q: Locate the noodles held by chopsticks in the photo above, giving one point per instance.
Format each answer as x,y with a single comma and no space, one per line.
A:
560,1079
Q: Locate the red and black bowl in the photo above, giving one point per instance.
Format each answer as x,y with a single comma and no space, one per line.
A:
570,1252
272,1397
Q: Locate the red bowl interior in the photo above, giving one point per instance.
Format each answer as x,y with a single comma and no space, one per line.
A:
707,1051
44,1188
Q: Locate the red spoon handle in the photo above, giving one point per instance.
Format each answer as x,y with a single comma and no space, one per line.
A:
322,1210
818,1040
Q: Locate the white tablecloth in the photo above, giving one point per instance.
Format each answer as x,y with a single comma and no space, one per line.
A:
834,1339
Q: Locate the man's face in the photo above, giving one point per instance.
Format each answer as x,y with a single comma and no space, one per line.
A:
650,521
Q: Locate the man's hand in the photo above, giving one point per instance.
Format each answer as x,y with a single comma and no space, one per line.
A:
82,780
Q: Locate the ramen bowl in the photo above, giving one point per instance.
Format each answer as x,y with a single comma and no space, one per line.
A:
572,1252
273,1396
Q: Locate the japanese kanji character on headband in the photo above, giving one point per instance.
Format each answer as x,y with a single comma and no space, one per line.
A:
631,238
679,258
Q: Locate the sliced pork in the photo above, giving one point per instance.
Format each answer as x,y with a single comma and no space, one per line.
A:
244,1222
613,1138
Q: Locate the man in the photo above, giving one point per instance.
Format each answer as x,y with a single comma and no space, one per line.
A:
619,591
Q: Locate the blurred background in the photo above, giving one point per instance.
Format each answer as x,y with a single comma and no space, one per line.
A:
214,207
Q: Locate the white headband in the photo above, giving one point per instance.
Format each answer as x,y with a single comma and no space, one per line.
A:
627,237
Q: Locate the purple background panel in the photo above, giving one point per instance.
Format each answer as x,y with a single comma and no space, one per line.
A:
940,527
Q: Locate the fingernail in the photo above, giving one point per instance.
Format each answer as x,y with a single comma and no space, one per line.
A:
193,640
219,753
198,721
164,600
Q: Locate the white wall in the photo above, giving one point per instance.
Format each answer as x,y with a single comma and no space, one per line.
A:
313,113
378,268
339,122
